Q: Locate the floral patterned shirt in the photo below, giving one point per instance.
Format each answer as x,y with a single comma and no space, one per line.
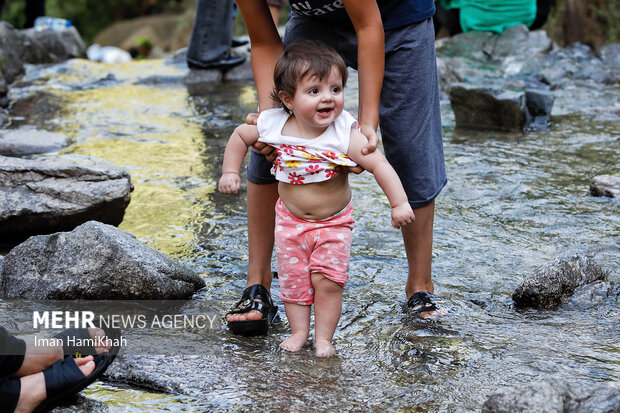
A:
301,160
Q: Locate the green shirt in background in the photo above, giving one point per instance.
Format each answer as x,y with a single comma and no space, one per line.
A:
492,15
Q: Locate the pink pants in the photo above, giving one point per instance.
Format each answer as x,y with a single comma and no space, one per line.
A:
304,247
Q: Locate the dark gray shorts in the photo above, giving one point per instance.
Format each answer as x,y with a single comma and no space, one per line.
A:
410,120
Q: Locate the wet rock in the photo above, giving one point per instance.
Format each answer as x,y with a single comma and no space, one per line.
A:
554,284
610,55
63,44
551,397
539,104
540,397
518,41
446,76
203,76
179,58
4,89
495,108
28,141
16,49
605,185
488,108
241,72
592,295
94,261
81,404
59,193
5,119
559,73
183,374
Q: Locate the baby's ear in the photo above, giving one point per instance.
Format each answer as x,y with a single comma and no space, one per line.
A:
286,99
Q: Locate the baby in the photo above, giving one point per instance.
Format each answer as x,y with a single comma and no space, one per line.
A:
313,136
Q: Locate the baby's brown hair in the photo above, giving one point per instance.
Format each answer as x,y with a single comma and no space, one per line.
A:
301,59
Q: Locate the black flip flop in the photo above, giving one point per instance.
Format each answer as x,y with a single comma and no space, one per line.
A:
64,379
248,303
422,301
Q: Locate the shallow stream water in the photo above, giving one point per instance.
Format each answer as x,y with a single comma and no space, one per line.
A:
512,204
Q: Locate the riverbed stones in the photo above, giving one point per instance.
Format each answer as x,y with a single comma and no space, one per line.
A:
62,44
554,284
605,185
29,141
556,396
95,261
58,193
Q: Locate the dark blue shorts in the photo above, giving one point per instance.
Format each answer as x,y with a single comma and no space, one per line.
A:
410,120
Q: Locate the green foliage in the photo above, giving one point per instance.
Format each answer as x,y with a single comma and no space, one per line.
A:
608,17
144,42
92,16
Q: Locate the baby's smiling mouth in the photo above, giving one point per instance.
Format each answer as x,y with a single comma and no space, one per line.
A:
324,111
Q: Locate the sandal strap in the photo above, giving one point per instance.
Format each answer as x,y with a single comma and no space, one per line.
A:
248,305
421,301
61,375
248,300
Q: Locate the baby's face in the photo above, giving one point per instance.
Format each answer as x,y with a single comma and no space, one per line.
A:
318,102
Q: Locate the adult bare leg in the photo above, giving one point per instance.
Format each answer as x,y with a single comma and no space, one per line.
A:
418,238
261,220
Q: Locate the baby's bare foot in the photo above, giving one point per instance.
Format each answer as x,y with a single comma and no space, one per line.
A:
294,342
324,348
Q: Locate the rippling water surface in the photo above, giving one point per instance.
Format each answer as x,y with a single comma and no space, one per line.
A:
513,203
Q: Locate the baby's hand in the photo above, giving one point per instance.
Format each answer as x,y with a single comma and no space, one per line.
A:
229,183
402,215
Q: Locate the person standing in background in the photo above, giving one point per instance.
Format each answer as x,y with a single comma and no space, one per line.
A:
211,39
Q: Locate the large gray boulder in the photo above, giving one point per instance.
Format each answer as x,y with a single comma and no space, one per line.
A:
94,261
63,44
554,284
29,141
59,193
496,108
605,185
487,108
17,49
555,397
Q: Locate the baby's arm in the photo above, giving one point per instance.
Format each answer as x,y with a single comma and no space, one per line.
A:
243,137
386,177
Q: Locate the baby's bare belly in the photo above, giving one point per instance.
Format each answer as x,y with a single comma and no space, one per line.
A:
318,200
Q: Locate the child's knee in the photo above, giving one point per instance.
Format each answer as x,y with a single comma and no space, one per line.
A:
320,281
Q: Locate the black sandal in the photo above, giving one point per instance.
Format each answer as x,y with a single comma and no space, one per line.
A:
422,301
248,303
63,380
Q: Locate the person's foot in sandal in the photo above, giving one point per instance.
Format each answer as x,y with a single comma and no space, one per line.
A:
253,313
37,358
424,304
34,387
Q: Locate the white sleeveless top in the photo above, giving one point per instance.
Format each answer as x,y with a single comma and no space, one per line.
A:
301,160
